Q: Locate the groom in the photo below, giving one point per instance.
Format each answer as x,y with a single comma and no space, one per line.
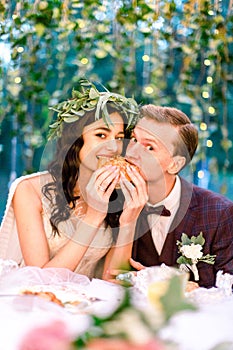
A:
162,144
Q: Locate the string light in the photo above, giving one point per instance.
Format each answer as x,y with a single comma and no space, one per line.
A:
200,174
146,58
147,67
20,49
205,94
43,5
209,80
207,62
209,143
211,110
203,126
148,90
100,53
84,60
17,80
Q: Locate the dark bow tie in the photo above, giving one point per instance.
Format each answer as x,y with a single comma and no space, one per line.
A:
160,210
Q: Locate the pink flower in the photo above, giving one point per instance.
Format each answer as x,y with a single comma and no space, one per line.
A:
116,344
51,337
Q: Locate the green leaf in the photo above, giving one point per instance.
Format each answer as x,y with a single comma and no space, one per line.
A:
99,106
200,239
183,260
71,119
79,113
76,94
106,117
93,94
185,240
93,102
209,259
85,82
54,125
174,301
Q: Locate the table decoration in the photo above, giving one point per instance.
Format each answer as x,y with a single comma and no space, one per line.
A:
132,326
139,317
53,336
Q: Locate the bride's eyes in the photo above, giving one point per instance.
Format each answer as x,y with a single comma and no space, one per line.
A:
104,136
101,135
120,138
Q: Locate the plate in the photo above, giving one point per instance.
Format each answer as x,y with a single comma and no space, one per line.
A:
71,297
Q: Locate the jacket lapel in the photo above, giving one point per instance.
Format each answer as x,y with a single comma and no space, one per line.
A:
143,247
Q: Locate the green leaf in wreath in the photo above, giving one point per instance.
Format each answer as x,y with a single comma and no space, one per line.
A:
71,118
93,94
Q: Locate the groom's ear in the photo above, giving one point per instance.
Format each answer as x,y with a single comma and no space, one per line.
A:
177,163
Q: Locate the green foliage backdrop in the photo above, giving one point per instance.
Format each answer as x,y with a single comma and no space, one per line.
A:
176,53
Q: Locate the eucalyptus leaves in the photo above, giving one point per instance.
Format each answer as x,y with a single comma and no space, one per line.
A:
89,99
191,253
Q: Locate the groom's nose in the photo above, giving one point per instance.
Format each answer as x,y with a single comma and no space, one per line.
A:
133,150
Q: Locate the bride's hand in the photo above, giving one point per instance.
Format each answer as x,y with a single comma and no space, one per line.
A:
100,188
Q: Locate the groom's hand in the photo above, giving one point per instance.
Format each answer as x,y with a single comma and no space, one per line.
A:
136,265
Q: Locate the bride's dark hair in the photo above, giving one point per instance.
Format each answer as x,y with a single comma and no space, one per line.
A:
64,170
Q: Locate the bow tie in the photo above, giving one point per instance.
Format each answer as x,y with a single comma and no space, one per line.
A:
160,210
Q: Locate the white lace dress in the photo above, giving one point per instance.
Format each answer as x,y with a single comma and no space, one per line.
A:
9,242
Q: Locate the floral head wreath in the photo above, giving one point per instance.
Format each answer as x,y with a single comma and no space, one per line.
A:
88,99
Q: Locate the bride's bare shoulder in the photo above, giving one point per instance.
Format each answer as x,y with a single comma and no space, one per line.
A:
31,186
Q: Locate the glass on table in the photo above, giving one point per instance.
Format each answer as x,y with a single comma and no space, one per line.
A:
152,282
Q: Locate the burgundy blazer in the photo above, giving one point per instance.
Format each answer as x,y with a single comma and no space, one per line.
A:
200,210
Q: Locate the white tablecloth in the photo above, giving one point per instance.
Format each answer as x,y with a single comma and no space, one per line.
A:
19,314
203,329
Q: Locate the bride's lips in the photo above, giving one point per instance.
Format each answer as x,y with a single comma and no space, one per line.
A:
99,156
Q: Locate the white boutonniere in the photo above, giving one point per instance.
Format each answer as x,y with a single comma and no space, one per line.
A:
191,253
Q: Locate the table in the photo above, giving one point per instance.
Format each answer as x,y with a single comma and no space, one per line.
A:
203,329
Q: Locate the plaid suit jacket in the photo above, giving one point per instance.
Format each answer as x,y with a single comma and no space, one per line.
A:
200,210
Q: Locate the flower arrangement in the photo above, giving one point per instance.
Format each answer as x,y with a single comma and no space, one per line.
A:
127,327
133,327
53,336
191,253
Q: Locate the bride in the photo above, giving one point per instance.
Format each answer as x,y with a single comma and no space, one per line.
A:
69,215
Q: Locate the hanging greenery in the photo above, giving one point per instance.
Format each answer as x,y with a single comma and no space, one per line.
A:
176,53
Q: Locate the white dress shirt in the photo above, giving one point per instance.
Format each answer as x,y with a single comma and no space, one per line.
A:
159,225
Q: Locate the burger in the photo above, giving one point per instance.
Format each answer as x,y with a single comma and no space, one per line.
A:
118,161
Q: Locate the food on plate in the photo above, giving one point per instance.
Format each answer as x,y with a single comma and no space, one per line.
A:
119,161
60,295
46,295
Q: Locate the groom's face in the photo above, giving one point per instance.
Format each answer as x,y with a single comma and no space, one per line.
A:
151,148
